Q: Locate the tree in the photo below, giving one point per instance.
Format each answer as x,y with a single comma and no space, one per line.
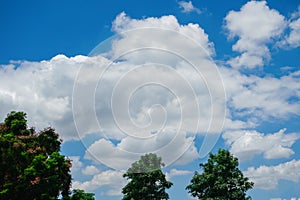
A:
147,181
31,166
221,179
81,195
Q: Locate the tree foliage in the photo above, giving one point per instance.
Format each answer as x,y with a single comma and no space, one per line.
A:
81,195
31,166
221,179
147,181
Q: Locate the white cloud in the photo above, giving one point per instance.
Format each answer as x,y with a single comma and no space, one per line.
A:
110,178
90,170
292,40
77,168
134,97
176,172
255,25
267,177
142,43
76,164
294,37
172,147
258,98
188,7
163,96
247,144
124,104
152,32
43,90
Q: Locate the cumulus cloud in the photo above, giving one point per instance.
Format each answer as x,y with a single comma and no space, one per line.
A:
179,149
188,7
109,178
267,177
76,164
255,25
43,90
90,170
175,172
158,77
292,40
146,37
258,98
112,179
77,168
246,144
156,80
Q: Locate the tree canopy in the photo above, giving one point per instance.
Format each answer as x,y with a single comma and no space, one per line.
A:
220,180
31,166
147,181
81,195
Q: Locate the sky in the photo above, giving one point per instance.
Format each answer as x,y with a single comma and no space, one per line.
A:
119,79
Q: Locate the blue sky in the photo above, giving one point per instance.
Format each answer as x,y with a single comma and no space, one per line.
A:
165,73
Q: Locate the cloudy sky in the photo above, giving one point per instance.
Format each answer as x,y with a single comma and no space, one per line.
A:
178,78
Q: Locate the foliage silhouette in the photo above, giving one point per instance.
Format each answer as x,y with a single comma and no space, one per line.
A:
31,166
220,180
147,181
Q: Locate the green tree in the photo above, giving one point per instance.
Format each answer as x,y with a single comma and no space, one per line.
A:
81,195
221,179
147,181
31,166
